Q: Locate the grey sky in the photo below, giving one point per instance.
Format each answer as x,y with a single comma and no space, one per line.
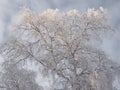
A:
9,10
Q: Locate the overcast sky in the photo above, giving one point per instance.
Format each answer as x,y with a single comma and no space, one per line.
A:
9,11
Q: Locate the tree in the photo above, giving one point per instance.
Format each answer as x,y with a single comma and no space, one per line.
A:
63,44
16,78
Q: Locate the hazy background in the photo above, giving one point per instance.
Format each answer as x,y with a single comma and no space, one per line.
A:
9,13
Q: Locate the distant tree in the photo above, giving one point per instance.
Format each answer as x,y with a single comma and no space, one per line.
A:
14,78
63,44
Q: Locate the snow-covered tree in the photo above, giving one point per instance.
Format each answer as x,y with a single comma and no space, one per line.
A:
16,78
65,45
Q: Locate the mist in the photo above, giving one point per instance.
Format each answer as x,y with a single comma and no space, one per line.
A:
10,12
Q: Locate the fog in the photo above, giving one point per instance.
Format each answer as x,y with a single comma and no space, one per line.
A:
9,13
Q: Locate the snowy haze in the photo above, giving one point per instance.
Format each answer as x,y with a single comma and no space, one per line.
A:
9,13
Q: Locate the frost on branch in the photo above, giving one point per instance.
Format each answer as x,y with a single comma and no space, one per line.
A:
61,44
